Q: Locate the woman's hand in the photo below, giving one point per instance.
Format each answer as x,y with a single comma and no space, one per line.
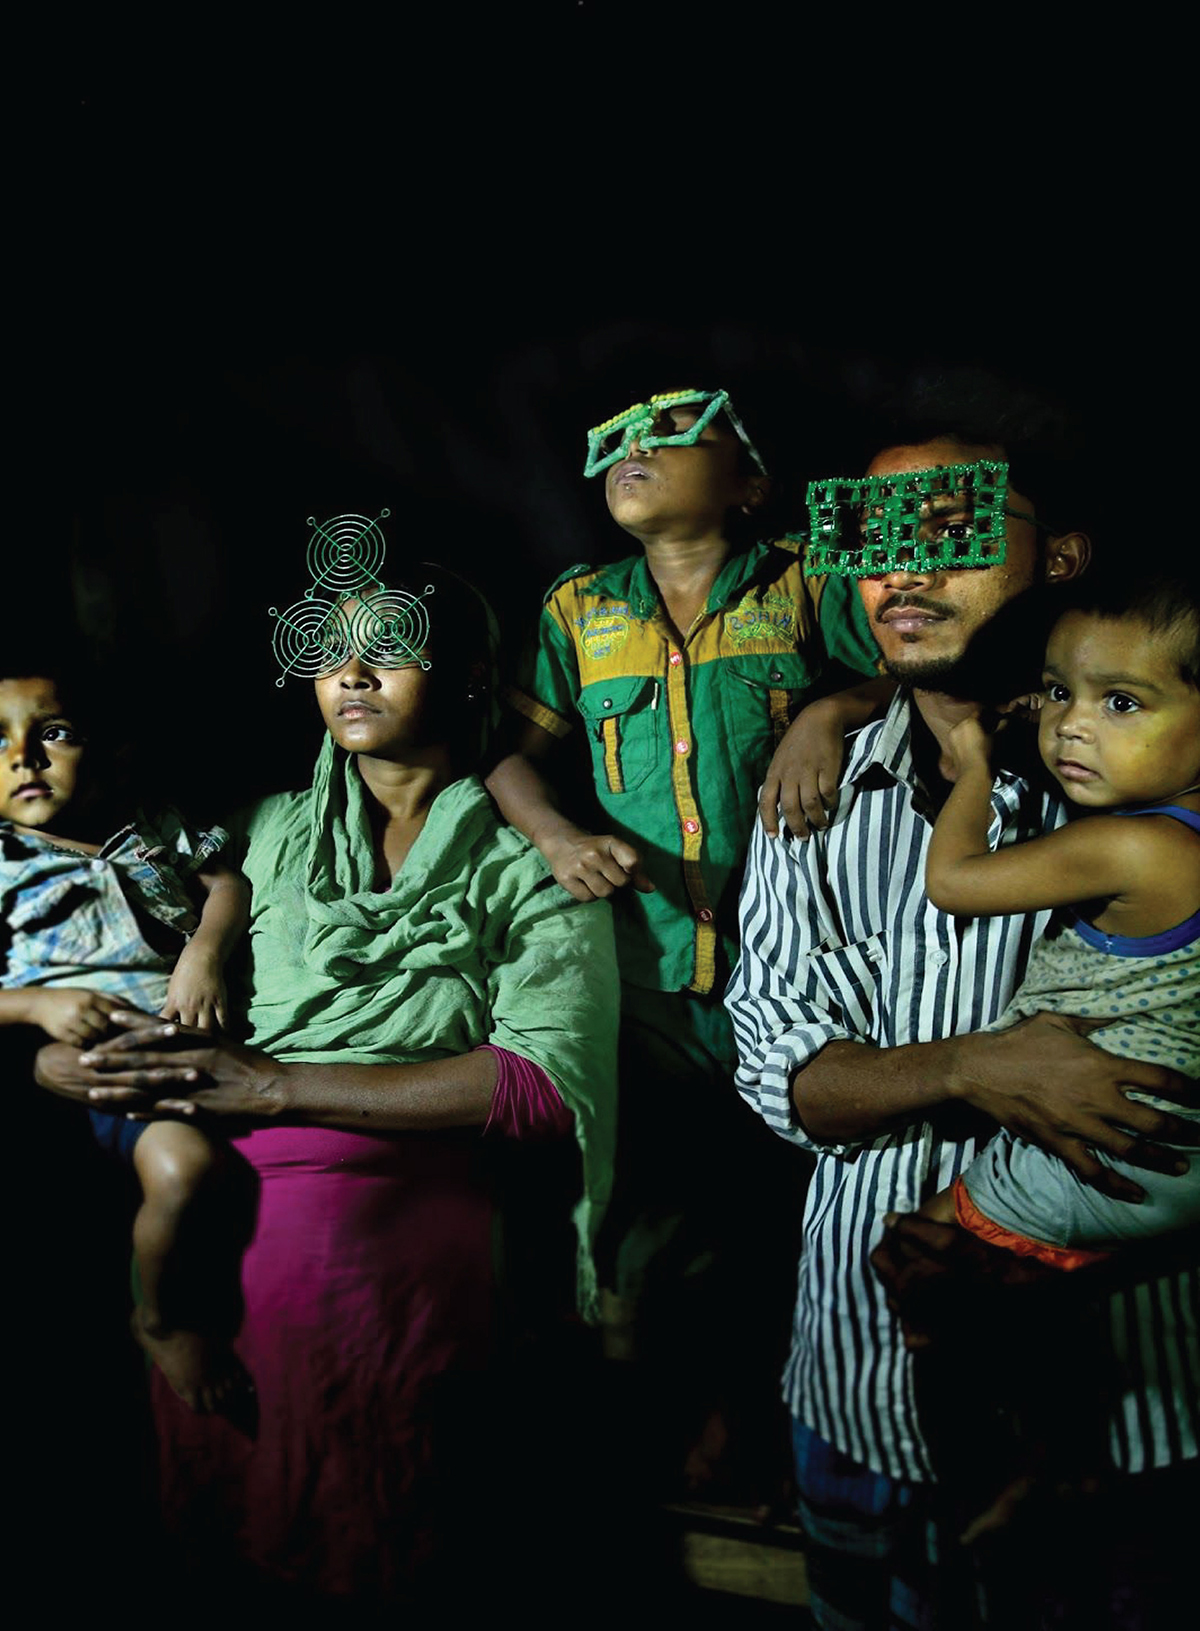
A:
165,1070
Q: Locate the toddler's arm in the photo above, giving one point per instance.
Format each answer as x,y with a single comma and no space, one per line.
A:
196,994
1100,858
588,865
802,777
66,1013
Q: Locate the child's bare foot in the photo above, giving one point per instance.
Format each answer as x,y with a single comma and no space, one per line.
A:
206,1373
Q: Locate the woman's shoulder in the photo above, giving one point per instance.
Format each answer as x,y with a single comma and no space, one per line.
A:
269,810
513,877
501,859
473,813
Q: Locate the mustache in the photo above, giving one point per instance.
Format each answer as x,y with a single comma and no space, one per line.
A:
911,603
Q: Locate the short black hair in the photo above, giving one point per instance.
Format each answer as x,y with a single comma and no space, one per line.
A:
457,611
1166,600
1040,437
463,636
24,659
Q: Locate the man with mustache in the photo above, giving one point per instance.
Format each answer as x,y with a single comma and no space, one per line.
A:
857,1008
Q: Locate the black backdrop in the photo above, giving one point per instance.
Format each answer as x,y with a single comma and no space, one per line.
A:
257,278
232,306
182,468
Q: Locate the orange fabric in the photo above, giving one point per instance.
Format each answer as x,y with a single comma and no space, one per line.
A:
1058,1257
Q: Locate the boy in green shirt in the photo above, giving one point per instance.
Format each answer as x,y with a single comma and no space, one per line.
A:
686,664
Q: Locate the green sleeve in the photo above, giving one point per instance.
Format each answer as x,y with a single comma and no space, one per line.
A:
845,631
548,680
555,1000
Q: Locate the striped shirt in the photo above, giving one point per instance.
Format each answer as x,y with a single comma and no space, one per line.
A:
839,942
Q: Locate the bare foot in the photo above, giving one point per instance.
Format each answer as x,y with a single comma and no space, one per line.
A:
206,1373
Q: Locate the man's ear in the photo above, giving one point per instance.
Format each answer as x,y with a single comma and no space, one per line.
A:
758,490
1067,557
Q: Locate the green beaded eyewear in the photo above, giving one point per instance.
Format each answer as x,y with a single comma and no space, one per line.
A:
936,520
651,425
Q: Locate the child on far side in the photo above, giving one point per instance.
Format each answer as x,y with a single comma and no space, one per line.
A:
1119,730
1017,1385
684,666
99,921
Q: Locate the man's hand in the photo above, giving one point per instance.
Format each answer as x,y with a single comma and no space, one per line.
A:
71,1015
591,866
1045,1082
802,777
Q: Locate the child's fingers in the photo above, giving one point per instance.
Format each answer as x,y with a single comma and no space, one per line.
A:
816,797
768,806
626,857
792,803
577,888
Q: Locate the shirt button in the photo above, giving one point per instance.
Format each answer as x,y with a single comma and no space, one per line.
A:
777,673
939,959
97,865
608,702
675,659
681,746
704,915
691,826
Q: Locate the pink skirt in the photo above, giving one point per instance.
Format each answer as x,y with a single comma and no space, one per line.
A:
369,1317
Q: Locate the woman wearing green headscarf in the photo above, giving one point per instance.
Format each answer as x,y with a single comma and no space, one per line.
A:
414,976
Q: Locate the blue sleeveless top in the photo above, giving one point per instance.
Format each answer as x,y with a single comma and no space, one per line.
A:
1147,945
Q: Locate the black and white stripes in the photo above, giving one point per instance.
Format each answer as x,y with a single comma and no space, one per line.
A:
839,941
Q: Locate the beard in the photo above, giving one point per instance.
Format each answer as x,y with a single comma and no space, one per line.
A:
928,673
1002,659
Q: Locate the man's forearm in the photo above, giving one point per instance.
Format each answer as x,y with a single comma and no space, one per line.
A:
853,1091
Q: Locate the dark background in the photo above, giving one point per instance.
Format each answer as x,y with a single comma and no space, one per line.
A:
325,270
186,461
263,277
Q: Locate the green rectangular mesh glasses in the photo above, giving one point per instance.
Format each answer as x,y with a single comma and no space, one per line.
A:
920,520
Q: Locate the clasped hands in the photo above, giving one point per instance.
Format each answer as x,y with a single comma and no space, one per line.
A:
153,1069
